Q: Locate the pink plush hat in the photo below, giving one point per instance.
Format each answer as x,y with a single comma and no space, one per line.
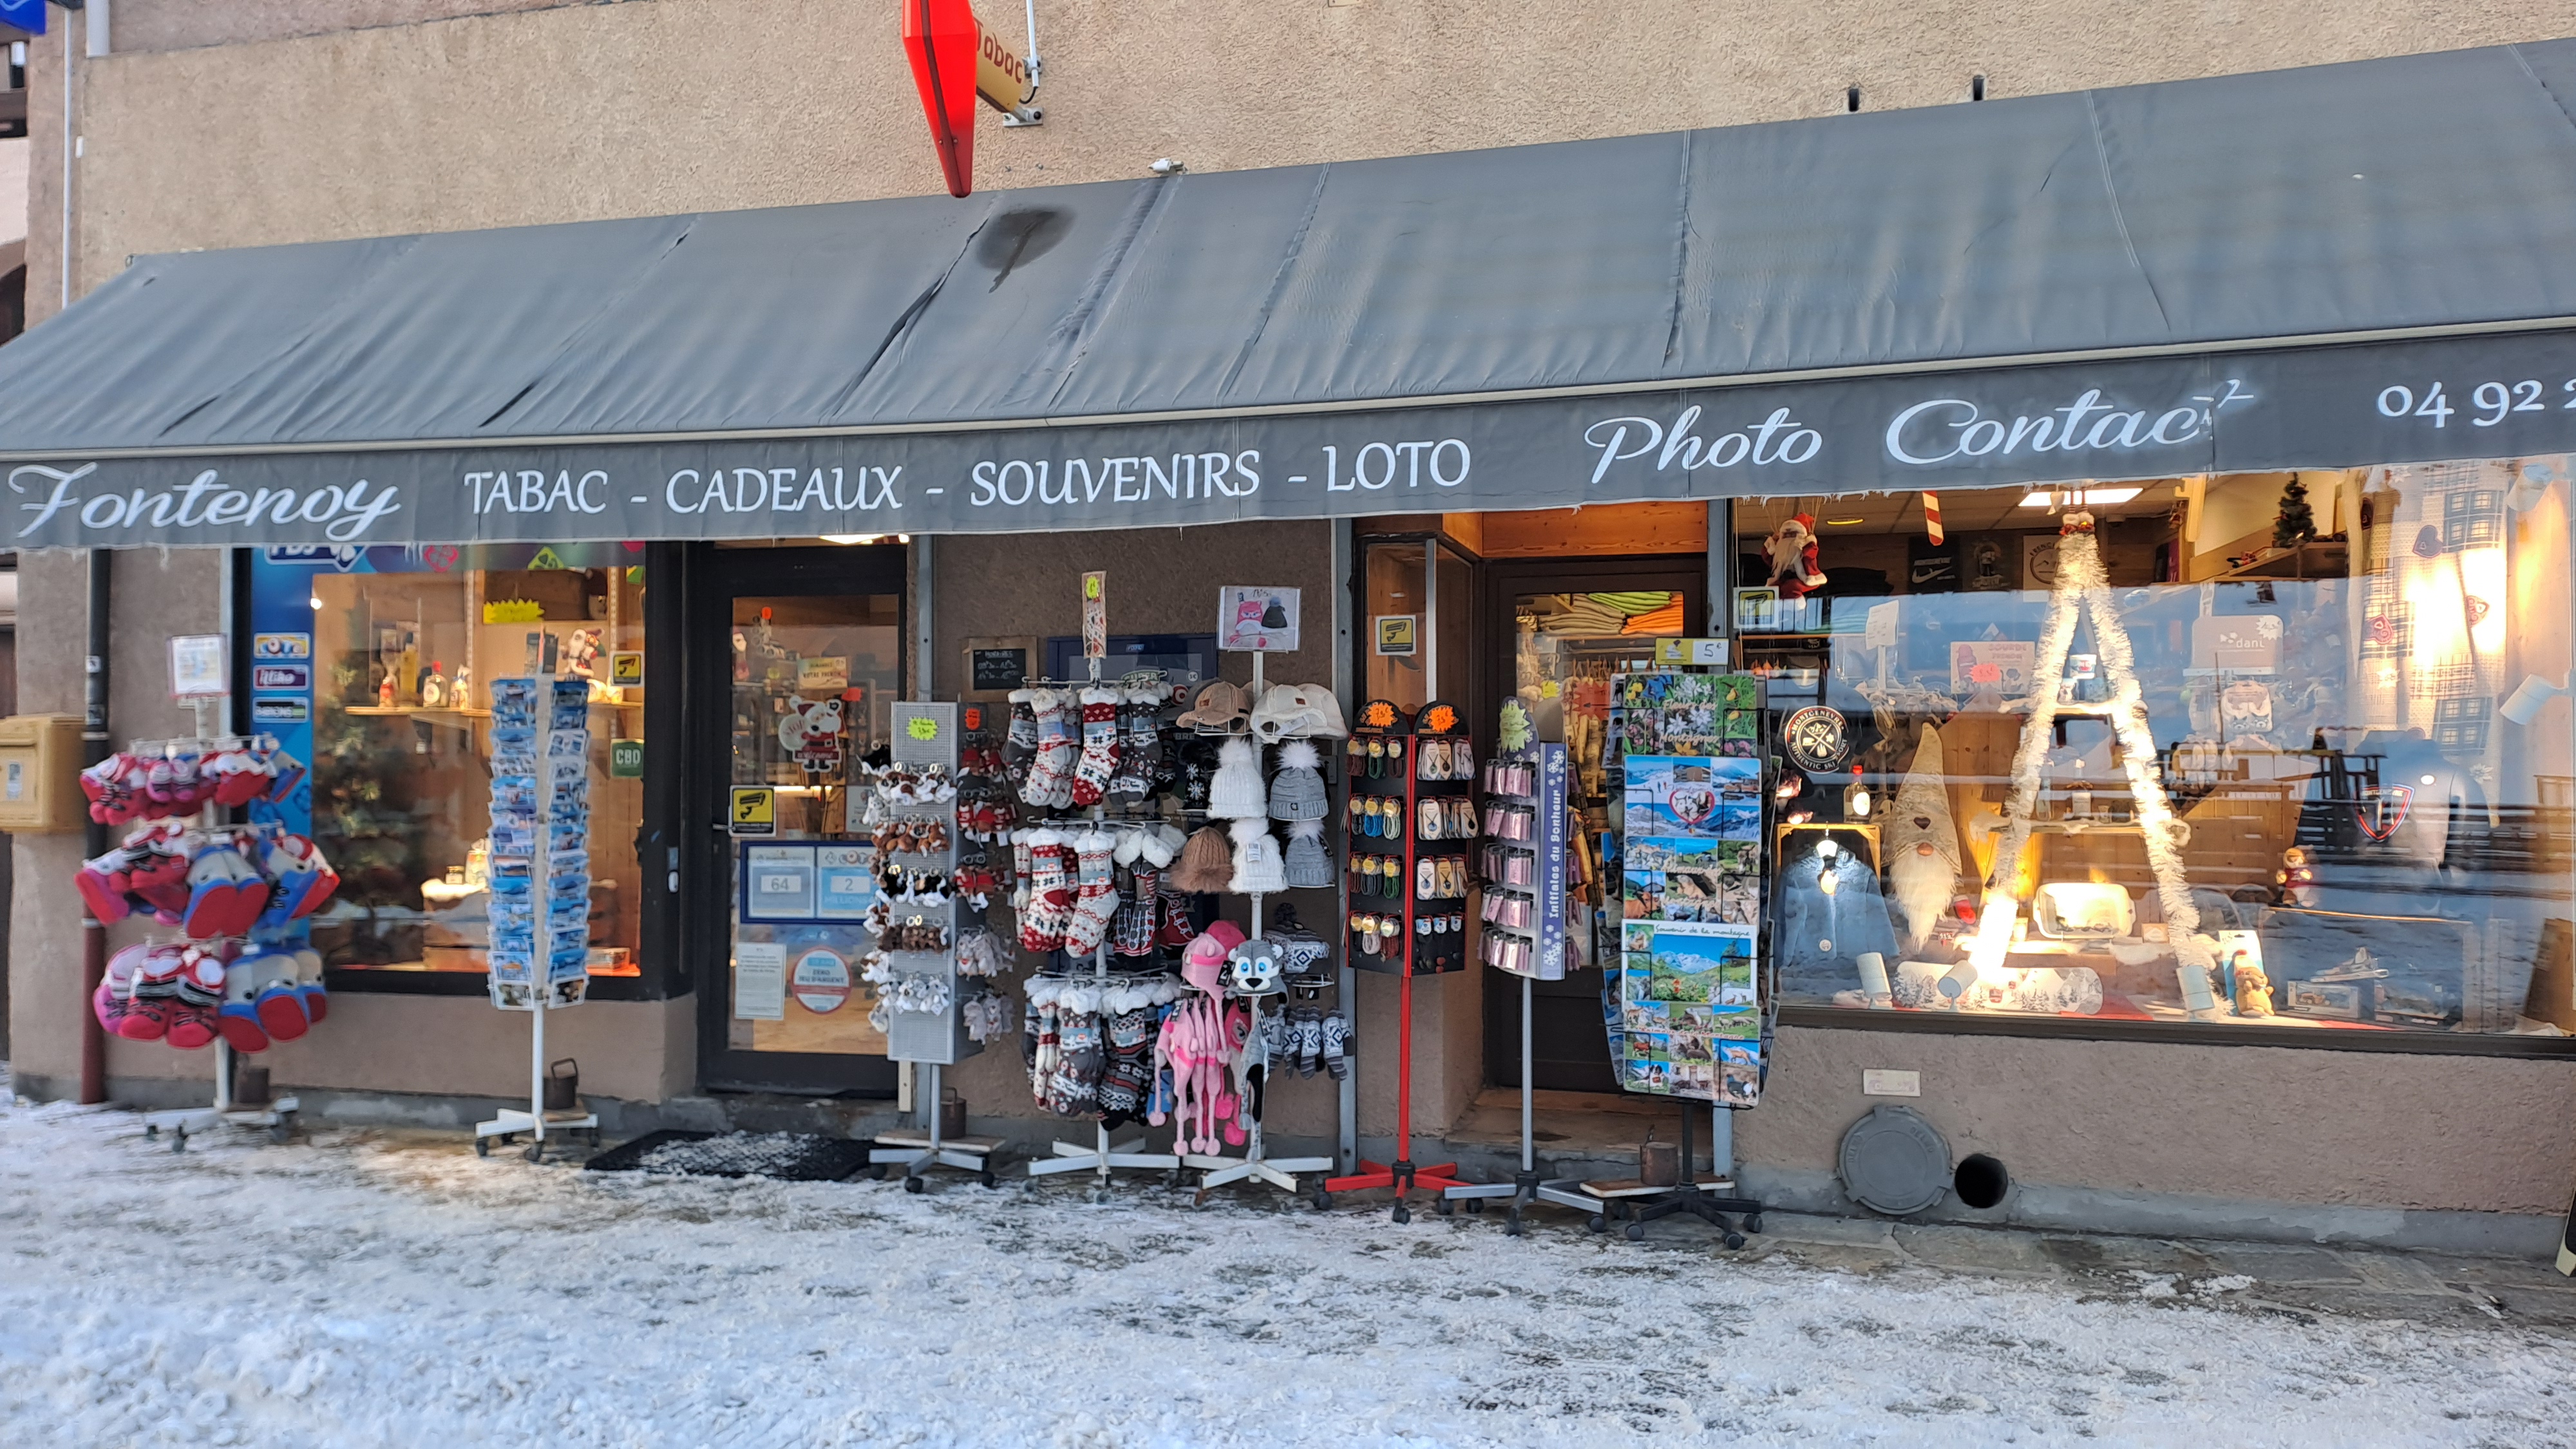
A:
1203,966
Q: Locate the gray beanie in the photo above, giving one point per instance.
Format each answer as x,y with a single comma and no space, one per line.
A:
1297,791
1308,868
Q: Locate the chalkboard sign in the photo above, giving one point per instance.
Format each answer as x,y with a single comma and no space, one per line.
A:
995,667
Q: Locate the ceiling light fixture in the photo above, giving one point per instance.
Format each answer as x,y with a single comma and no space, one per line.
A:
2090,497
852,537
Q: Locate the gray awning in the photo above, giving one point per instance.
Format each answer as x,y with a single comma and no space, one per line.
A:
2432,193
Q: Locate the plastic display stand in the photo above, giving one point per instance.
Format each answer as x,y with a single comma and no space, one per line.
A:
1547,764
1418,957
529,980
926,734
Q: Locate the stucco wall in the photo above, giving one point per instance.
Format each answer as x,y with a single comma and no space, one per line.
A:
2264,1124
653,106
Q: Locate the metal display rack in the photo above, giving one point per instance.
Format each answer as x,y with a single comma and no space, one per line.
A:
532,983
1422,952
278,1116
1255,1164
1100,1155
1546,799
925,734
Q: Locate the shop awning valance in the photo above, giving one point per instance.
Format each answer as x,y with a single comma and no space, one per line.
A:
2243,271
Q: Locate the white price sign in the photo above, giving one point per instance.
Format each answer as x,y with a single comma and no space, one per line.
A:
199,666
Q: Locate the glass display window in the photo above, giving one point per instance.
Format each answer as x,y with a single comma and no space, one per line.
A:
2279,750
376,665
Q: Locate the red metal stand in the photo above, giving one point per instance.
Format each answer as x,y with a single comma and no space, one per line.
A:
1402,1174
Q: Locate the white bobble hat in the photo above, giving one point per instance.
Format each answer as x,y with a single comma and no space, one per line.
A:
1236,792
1258,869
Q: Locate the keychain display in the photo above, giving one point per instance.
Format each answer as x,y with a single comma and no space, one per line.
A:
1411,791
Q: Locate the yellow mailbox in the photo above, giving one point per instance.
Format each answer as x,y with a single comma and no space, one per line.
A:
40,763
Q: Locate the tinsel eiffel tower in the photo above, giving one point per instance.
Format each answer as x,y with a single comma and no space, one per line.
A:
2083,587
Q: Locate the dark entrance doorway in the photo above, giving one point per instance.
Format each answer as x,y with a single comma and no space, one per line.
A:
1555,632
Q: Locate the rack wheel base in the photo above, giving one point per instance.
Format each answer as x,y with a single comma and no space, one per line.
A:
282,1131
1444,1207
1323,1201
536,1152
913,1184
1597,1223
987,1178
1512,1223
179,1139
1199,1198
1735,1240
1476,1205
1403,1214
482,1146
1636,1232
1753,1224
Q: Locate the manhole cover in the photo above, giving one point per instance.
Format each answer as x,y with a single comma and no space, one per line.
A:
1894,1162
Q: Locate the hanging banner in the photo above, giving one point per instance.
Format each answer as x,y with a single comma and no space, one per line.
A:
2506,396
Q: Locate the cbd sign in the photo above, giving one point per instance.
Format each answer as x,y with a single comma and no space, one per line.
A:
956,59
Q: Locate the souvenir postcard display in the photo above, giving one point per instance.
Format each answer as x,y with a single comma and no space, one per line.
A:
1684,1006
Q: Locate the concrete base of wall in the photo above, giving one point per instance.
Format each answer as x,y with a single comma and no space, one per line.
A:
2184,1215
2041,1207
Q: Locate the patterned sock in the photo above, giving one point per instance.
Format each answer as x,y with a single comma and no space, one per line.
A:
1091,773
1050,897
1051,770
1095,893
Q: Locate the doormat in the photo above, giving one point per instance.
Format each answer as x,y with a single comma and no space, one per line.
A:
786,1156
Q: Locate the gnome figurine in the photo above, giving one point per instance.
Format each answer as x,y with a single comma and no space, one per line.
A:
1792,551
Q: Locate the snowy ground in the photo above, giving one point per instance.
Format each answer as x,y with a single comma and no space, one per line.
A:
380,1290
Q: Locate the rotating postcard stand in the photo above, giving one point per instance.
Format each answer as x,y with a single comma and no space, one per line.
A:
278,1116
1522,864
1100,1155
540,884
924,735
1408,935
1255,1164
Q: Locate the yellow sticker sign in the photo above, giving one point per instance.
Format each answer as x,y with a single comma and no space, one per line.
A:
513,611
626,668
754,810
922,727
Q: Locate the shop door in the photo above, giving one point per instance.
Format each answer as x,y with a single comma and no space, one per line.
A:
1561,625
795,660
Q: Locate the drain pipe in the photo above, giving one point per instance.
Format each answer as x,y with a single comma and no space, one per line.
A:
94,748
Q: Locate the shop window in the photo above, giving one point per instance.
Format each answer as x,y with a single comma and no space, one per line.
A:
376,665
2339,802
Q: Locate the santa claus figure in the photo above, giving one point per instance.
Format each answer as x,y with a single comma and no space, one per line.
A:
1792,551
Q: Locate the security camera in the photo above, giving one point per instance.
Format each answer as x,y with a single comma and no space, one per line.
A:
1167,167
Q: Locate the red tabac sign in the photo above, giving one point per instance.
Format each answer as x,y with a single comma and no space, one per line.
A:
957,60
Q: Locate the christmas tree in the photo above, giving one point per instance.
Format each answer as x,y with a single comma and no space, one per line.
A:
2296,525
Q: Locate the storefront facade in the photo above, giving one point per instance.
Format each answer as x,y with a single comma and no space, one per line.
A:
1482,469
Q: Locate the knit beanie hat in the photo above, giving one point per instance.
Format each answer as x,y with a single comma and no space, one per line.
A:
1205,864
1297,791
1236,793
1257,868
1308,869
